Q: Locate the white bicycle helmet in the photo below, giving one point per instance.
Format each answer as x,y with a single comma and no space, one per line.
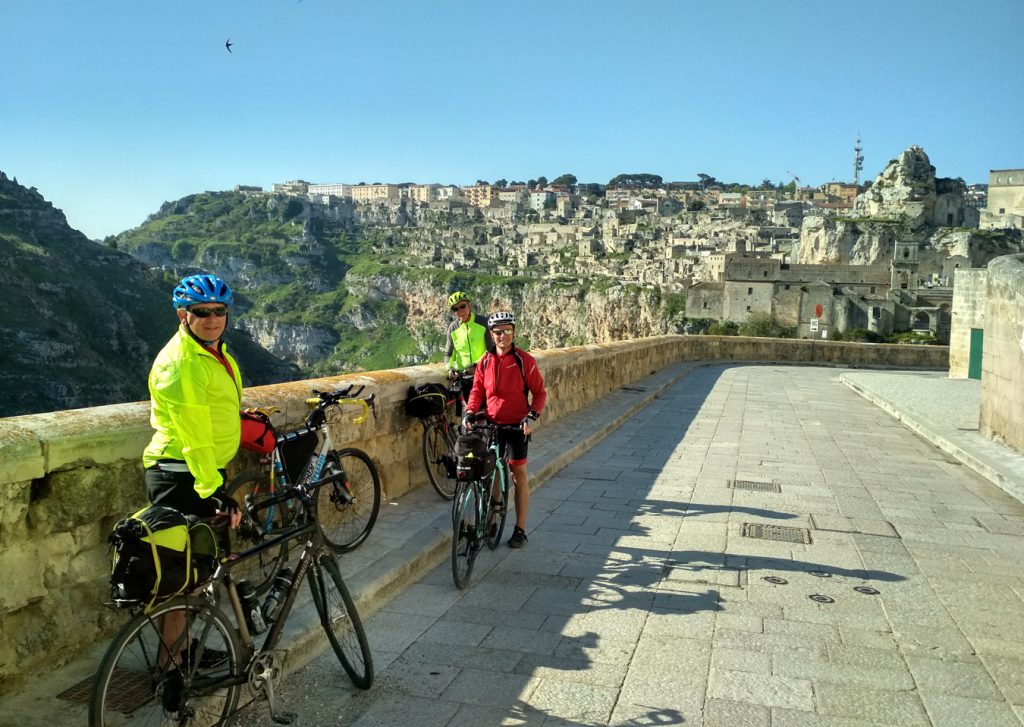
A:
502,317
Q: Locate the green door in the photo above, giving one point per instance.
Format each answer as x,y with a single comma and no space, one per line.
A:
974,362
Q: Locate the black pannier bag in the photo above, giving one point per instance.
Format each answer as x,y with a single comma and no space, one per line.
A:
159,553
426,400
474,459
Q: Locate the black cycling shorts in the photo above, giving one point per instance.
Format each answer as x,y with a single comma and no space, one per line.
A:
516,442
177,490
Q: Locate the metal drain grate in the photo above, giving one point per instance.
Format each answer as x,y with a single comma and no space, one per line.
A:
776,532
754,486
130,690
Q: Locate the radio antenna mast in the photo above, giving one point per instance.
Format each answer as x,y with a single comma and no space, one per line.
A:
858,161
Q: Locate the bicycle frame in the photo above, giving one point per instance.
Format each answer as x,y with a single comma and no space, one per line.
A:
316,423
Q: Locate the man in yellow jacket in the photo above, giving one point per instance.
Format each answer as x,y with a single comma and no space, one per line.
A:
196,390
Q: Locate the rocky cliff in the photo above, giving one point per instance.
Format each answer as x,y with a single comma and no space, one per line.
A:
906,202
81,322
338,287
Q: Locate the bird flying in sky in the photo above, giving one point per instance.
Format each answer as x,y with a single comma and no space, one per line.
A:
228,44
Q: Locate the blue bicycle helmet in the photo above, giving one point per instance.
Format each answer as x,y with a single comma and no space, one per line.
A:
201,288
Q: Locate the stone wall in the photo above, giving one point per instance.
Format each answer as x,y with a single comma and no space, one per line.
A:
1002,366
968,312
66,477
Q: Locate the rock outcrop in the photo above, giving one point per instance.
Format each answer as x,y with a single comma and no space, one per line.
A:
905,202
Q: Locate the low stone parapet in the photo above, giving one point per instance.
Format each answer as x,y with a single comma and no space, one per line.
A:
67,477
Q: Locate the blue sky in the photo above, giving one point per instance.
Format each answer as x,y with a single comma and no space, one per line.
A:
111,108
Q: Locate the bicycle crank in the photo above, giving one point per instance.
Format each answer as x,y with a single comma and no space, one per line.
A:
264,675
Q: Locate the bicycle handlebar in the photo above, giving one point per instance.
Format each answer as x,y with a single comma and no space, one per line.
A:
341,397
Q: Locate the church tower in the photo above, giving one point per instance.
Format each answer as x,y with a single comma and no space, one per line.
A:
904,265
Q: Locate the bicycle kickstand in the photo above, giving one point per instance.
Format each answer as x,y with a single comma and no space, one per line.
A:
266,678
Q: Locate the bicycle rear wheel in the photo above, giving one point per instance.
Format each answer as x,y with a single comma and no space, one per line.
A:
347,510
341,621
465,543
136,684
498,510
249,490
438,442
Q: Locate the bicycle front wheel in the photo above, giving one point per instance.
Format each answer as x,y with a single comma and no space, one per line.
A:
348,509
498,510
438,442
341,621
177,665
249,490
465,543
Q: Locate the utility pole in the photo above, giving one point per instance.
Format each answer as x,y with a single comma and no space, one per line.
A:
858,161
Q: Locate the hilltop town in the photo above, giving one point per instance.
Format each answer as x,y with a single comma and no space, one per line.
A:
877,257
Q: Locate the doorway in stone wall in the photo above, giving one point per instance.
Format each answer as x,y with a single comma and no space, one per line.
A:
974,357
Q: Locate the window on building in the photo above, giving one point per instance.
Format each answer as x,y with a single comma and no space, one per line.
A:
787,286
876,312
766,273
705,305
748,308
750,291
872,289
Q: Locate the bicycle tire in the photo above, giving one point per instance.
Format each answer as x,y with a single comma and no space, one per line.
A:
261,569
347,510
438,443
465,542
341,621
496,517
130,684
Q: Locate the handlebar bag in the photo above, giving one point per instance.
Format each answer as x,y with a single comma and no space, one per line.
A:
426,400
474,459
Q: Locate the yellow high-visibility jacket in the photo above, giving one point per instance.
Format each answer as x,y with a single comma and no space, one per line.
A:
195,410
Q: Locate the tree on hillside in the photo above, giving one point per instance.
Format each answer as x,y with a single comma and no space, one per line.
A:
542,182
567,179
638,181
766,184
501,183
707,181
531,183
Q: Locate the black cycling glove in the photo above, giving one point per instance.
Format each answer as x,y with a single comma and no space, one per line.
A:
224,502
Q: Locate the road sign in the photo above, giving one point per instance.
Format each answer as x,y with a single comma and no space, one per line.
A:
814,325
817,310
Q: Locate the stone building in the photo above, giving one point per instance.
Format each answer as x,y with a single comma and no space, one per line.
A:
1005,200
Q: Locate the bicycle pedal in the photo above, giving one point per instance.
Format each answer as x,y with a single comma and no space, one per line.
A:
283,717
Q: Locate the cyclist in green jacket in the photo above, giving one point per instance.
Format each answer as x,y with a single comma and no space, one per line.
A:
467,340
196,390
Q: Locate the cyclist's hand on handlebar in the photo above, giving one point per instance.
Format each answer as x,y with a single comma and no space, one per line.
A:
467,420
453,374
226,506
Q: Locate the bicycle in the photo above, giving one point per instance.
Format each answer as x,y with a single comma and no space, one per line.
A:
439,433
348,508
149,677
478,515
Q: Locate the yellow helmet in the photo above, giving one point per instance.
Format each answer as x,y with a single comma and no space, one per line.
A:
457,297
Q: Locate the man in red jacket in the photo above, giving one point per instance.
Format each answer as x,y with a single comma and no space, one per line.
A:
509,388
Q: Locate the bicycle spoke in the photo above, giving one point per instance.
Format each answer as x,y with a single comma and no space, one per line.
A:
348,510
341,621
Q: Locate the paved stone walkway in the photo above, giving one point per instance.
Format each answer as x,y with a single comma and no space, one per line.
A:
642,599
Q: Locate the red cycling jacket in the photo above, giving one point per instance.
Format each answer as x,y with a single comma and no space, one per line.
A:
502,382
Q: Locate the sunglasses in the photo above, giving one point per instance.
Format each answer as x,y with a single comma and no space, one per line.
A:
207,312
460,306
502,331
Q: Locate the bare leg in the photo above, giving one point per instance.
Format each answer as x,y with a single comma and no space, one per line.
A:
522,493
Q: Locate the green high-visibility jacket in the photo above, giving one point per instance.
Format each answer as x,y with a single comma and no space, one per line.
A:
194,410
467,342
